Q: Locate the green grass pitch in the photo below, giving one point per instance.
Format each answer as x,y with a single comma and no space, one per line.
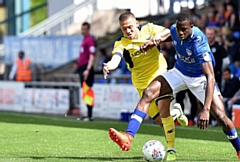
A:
26,138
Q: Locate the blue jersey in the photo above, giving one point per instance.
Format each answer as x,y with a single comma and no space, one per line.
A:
191,53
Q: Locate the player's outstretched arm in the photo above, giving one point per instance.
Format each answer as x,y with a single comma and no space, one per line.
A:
160,37
203,117
169,39
111,65
164,36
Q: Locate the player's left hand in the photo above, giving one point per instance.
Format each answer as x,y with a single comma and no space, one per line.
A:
146,46
105,70
203,119
157,39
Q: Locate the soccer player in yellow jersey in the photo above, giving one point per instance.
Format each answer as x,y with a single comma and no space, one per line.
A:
144,67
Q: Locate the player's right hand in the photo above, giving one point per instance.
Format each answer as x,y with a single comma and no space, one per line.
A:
105,70
203,119
146,46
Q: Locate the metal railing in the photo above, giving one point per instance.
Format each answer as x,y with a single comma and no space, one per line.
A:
52,84
61,18
98,78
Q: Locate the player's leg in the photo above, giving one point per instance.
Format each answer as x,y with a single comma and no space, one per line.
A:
217,110
147,96
154,114
177,113
171,81
194,105
150,93
124,140
167,123
168,127
179,99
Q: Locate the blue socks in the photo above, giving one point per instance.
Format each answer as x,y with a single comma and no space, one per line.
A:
233,138
135,122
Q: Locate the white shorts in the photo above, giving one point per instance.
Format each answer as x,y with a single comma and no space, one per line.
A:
196,85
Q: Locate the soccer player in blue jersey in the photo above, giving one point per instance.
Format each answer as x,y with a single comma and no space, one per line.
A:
194,71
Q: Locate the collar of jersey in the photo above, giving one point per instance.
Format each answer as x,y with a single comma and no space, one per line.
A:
191,38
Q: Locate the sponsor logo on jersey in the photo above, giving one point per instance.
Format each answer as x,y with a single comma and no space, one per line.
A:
136,54
189,52
186,59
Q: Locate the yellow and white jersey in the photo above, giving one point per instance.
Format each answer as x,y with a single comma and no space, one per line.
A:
143,66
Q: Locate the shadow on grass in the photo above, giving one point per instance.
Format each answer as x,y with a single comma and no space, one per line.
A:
212,134
89,158
132,159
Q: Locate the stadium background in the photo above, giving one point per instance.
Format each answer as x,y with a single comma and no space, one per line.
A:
49,33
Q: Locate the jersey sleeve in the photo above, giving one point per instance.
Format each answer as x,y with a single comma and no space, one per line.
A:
118,48
202,50
91,46
155,28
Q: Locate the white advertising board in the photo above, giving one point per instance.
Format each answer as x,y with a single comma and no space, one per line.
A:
11,96
46,100
112,99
